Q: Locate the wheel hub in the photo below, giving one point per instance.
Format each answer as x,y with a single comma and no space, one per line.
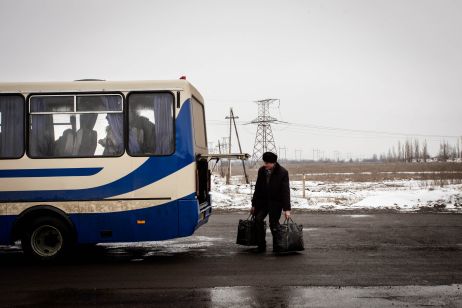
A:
46,241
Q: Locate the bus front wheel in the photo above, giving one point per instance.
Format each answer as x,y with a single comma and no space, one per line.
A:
46,238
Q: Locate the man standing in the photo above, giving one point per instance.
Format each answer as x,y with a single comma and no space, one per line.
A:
271,196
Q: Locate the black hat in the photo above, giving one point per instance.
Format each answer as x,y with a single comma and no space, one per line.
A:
269,157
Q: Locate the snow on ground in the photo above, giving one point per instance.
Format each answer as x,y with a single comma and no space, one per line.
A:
402,195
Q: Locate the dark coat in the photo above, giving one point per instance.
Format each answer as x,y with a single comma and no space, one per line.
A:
277,193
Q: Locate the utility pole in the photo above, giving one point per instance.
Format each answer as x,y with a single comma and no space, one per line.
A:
220,152
300,154
264,140
316,154
233,118
211,146
336,156
224,145
349,156
224,150
285,152
228,175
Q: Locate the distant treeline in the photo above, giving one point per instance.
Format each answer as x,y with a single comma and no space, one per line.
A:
415,151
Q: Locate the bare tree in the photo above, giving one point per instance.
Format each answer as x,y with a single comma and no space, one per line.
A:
389,156
453,153
460,150
424,151
444,151
383,157
459,154
408,151
417,150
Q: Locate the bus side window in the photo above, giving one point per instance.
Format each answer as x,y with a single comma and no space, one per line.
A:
11,126
200,134
150,124
82,125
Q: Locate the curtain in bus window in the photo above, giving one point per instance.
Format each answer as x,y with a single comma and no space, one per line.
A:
41,134
11,126
114,141
163,113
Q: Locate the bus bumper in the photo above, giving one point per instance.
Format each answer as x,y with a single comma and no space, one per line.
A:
192,215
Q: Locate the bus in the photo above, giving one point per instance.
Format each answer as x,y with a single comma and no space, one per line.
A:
94,161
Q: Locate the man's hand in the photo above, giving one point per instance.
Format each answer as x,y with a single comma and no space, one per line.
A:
252,210
287,214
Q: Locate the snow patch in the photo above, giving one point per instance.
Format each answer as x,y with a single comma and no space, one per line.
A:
401,195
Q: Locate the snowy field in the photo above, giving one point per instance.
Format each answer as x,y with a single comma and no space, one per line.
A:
400,195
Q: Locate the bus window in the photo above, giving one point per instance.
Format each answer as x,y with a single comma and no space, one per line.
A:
150,124
199,124
76,126
11,126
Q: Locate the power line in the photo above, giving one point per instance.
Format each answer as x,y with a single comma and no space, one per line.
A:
345,130
330,128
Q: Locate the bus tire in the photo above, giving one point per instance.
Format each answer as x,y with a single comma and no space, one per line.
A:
46,238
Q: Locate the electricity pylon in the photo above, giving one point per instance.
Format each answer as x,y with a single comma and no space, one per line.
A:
264,140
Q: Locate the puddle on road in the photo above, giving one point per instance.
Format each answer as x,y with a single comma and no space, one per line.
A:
141,250
358,216
298,296
310,229
250,296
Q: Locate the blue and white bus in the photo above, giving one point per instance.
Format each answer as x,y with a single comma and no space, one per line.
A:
94,161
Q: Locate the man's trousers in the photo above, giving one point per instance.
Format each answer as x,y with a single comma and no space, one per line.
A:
274,216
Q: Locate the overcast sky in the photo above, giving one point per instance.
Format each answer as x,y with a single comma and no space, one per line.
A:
393,66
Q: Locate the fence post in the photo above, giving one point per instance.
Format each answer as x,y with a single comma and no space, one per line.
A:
303,185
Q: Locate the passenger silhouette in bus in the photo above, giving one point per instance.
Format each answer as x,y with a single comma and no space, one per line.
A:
109,143
142,131
86,137
64,146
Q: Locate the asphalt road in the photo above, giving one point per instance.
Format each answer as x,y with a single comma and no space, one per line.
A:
385,259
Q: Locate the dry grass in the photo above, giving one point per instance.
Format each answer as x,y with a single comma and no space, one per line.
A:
437,173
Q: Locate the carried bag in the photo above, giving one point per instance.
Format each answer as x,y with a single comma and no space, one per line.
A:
288,237
247,231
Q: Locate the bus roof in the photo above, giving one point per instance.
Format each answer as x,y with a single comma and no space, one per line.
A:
99,85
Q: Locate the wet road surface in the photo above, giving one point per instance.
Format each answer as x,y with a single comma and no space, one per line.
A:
350,260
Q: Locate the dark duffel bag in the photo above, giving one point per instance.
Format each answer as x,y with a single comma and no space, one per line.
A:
288,237
246,231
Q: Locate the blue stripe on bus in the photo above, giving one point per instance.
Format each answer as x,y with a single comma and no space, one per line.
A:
173,219
152,170
54,172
